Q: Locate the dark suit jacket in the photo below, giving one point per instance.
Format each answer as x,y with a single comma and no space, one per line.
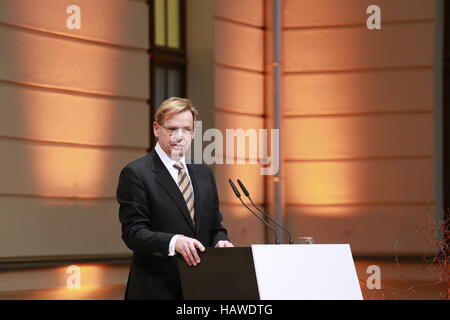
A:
152,210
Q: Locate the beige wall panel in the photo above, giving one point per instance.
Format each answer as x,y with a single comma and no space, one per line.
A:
113,21
61,170
356,182
248,11
370,230
359,136
396,45
244,229
249,174
308,13
31,113
239,90
52,61
250,126
225,120
239,45
38,226
355,92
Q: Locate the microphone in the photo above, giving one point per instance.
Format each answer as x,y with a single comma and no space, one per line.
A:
238,195
247,194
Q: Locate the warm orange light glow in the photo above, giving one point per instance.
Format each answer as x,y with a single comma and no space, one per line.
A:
65,118
129,27
90,276
249,12
247,43
358,92
247,173
358,114
349,137
353,48
306,13
61,63
77,119
359,182
239,90
75,65
85,293
338,159
68,171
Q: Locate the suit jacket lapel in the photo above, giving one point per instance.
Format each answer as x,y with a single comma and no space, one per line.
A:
198,203
165,180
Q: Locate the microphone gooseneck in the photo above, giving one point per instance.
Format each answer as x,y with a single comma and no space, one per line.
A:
238,195
247,194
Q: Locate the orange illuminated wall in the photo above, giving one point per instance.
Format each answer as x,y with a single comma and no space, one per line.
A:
358,158
73,112
358,123
239,103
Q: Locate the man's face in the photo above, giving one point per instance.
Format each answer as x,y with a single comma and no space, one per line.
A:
175,134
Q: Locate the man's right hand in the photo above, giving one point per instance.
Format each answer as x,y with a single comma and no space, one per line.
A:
187,248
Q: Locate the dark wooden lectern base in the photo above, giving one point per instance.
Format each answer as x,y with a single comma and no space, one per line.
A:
223,274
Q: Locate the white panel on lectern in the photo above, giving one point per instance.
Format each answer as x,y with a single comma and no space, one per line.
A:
309,272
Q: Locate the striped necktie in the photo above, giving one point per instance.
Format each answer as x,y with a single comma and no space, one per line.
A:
184,183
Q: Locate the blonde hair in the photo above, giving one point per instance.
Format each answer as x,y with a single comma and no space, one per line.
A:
174,105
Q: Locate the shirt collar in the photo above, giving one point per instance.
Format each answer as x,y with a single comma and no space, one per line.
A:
168,162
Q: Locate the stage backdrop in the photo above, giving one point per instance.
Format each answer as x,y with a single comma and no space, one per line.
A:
358,131
73,112
357,134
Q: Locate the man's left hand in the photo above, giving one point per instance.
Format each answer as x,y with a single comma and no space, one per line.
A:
224,244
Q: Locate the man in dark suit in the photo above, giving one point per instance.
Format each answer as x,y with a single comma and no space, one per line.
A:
167,207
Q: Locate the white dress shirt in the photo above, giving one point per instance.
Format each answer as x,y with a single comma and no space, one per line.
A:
168,163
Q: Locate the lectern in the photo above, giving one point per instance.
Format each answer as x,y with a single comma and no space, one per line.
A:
272,272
